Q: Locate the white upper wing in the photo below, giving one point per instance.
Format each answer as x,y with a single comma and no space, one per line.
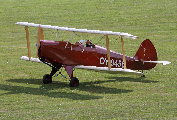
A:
126,35
111,71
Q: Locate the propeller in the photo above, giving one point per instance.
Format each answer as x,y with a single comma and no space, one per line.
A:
28,43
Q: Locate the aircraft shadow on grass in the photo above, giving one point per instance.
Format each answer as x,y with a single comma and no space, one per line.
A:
91,87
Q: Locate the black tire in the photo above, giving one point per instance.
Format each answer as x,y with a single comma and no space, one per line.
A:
143,76
47,79
74,82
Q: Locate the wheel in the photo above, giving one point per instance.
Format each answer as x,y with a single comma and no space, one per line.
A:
74,82
143,75
47,79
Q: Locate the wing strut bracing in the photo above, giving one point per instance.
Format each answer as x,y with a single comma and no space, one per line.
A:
28,43
124,60
42,35
108,52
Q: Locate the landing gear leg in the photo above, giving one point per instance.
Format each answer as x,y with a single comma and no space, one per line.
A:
48,78
74,81
143,74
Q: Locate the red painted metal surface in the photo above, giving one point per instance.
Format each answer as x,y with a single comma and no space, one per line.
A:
69,70
64,53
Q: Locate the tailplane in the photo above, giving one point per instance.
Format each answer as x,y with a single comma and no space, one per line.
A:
146,57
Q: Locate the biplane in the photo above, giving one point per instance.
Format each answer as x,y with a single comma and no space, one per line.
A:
58,54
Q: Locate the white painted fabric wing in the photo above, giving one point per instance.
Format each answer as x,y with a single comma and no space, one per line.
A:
111,71
122,34
32,59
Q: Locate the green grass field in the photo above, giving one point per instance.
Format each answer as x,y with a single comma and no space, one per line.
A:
100,95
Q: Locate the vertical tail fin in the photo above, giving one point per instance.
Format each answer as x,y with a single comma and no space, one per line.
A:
146,52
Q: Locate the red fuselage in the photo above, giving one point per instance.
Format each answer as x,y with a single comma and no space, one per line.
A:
65,53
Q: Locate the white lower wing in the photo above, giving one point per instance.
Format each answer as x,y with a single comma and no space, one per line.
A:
112,71
163,62
32,59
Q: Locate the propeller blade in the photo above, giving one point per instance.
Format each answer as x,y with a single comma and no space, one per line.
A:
38,39
28,43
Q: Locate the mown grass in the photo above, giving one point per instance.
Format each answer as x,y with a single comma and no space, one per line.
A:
100,95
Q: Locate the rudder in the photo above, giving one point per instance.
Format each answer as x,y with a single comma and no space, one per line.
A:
146,52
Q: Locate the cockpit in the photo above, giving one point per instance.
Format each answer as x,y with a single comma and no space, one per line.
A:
89,44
